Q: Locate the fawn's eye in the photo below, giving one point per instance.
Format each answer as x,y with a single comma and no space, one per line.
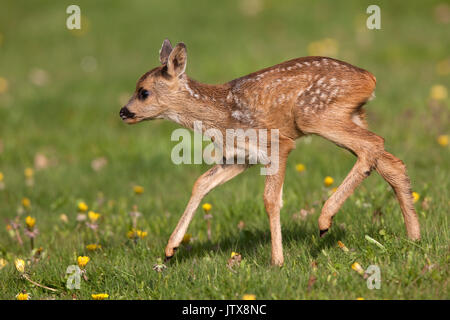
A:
143,94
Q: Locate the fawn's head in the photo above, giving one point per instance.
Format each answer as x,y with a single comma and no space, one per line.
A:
159,88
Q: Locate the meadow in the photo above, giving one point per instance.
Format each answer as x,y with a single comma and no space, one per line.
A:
71,171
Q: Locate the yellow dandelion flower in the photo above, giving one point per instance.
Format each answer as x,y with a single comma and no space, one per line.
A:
83,261
438,92
93,216
342,246
30,222
360,298
131,234
23,296
357,267
3,85
99,296
141,234
416,196
20,265
82,206
1,176
28,173
207,207
26,203
300,167
248,297
138,189
442,140
328,181
234,254
186,238
93,246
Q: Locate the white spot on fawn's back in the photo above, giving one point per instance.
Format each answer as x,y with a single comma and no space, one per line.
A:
242,117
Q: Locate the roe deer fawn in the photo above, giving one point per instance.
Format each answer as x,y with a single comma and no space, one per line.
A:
310,95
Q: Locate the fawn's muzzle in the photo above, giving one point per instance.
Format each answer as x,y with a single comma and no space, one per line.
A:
126,114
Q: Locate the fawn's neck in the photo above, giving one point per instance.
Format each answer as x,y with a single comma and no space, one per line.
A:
200,102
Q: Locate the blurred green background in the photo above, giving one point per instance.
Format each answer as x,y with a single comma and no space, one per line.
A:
60,95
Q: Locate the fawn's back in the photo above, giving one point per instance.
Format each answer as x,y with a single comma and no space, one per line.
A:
294,93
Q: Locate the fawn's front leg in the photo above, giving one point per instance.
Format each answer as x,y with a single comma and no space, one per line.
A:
215,176
273,202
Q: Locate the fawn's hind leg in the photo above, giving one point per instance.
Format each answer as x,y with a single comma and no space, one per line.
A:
393,170
215,176
369,148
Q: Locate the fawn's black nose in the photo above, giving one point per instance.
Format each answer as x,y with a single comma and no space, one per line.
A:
126,114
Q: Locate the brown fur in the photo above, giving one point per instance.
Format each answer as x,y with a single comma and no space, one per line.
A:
310,95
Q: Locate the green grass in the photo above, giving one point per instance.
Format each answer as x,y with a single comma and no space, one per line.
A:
73,119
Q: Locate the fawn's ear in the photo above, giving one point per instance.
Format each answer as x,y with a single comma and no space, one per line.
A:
176,64
165,51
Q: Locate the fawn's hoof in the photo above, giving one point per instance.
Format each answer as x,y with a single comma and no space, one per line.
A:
169,254
277,263
414,233
322,232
